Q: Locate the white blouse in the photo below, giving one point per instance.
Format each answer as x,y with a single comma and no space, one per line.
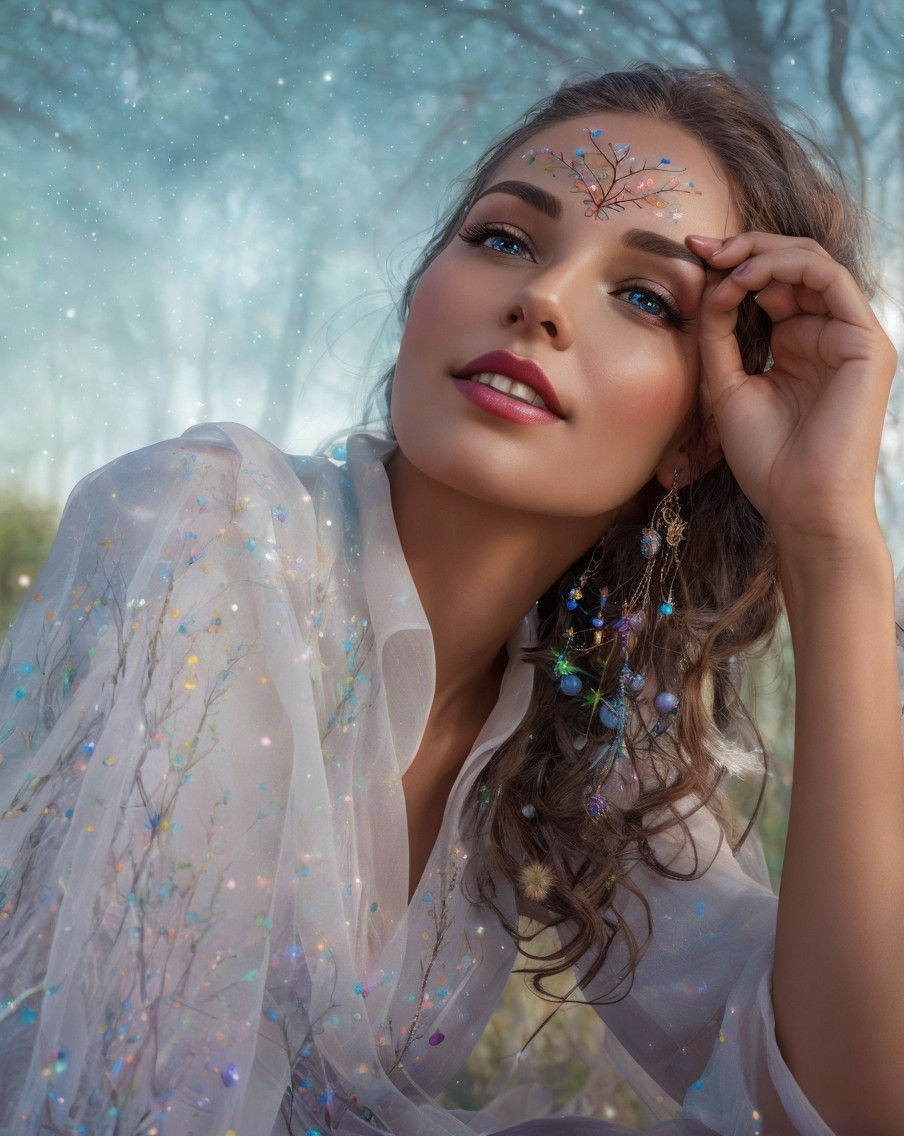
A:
206,708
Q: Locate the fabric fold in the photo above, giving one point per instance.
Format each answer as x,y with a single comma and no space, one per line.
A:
206,708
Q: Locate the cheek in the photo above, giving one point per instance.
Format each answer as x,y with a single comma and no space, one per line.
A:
652,407
435,302
657,389
427,303
420,353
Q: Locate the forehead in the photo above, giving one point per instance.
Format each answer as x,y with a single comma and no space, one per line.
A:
615,165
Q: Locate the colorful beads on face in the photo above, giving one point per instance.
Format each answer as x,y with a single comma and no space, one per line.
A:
610,178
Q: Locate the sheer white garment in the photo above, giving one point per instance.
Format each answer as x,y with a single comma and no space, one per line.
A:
206,707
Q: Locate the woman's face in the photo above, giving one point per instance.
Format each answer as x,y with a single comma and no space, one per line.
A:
597,317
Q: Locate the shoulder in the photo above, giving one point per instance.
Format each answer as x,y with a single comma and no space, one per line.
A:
215,454
179,509
213,475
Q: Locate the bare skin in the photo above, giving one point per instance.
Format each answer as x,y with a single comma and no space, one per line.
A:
458,548
479,500
837,990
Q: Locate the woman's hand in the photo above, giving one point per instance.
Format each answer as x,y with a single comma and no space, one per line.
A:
803,441
802,438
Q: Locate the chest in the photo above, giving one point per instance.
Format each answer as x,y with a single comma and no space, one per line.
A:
427,784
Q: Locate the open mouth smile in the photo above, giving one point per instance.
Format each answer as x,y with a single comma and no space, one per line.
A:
511,387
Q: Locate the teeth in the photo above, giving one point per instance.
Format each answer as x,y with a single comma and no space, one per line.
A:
521,391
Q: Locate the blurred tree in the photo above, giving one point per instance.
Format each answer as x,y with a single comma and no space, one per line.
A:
198,184
26,533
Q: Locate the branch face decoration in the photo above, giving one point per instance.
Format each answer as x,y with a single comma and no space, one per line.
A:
611,179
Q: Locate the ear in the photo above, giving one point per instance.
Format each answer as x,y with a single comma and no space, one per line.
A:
693,457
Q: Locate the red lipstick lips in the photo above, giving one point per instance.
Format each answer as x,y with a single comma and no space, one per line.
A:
496,402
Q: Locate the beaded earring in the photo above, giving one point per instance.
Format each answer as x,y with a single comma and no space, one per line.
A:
607,639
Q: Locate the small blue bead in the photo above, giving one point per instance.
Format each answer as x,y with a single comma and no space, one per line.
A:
597,622
609,716
571,684
230,1076
571,604
595,805
635,683
666,608
666,703
650,543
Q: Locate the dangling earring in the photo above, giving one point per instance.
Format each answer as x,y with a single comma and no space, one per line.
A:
667,521
607,639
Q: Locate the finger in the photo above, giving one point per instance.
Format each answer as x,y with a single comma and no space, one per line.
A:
720,355
755,260
729,252
784,301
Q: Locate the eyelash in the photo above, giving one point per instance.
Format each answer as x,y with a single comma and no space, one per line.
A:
478,233
669,312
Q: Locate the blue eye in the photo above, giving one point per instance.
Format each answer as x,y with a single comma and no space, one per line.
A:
500,242
653,304
497,238
647,302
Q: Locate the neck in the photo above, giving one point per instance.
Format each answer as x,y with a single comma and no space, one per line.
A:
478,568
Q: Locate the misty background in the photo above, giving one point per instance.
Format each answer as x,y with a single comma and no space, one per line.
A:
206,209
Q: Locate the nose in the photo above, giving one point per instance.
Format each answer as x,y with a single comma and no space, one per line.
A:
542,305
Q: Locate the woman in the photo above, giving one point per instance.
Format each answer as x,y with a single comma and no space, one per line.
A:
244,679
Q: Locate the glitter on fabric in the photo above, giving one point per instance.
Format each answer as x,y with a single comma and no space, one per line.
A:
203,922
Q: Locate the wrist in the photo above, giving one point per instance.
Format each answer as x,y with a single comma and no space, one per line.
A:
838,573
851,548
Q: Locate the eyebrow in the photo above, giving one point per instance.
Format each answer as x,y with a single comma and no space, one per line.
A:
546,203
645,240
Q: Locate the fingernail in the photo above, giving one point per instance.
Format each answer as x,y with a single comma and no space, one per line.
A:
742,269
708,242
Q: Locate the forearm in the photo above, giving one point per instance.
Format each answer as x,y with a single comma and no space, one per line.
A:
838,984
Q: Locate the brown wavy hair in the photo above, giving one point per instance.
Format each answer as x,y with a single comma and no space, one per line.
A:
531,813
